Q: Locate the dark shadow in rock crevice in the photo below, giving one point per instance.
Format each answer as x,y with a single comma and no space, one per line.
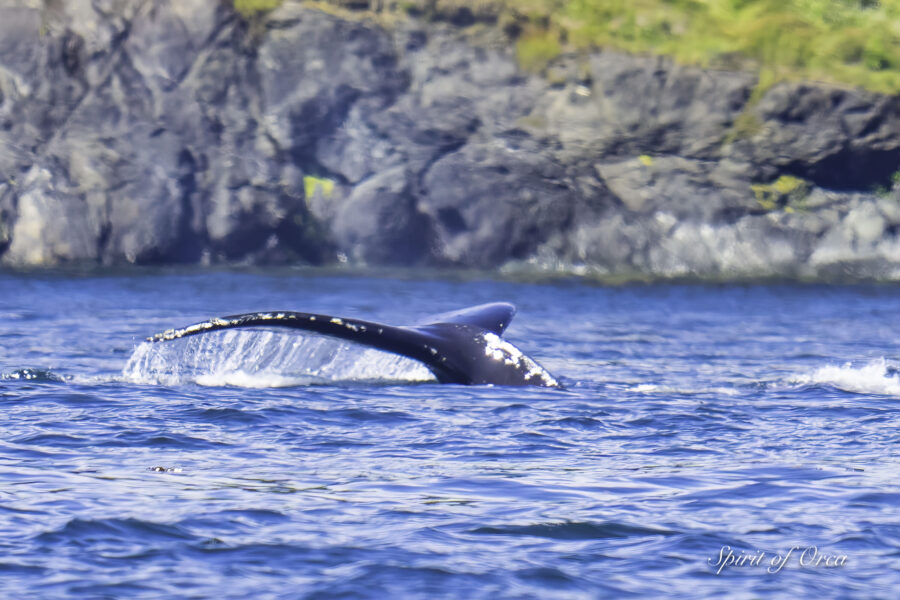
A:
851,169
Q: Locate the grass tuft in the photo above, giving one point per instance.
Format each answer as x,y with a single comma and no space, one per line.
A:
252,8
534,51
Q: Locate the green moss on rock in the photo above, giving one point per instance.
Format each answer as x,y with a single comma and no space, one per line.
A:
252,8
313,185
787,193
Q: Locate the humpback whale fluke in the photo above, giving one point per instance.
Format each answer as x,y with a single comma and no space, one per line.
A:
458,347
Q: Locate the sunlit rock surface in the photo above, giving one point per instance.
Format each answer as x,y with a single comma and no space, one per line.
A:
177,132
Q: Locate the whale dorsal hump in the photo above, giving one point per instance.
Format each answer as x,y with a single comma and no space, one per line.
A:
494,317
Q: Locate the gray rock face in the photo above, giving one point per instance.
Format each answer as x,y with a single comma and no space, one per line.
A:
156,131
383,207
495,201
835,138
313,68
620,105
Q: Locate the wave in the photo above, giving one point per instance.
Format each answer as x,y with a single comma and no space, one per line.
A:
876,377
264,359
574,530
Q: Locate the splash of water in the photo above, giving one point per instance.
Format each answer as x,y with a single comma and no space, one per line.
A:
36,375
875,377
266,359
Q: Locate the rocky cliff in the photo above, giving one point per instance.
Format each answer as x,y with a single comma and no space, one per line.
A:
156,131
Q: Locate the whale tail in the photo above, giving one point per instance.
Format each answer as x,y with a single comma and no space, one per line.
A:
462,347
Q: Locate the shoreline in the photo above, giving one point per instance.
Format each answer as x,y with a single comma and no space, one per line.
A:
190,136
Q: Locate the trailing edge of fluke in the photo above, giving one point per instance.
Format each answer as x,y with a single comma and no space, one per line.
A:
460,347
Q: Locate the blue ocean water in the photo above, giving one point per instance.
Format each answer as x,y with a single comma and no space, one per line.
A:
699,424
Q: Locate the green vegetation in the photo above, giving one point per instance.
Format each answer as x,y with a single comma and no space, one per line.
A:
851,41
884,191
251,8
855,42
535,50
746,125
786,192
311,185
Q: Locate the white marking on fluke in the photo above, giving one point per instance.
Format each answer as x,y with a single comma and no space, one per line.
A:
500,350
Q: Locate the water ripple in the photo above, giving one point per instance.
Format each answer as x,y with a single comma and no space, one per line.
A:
573,531
757,418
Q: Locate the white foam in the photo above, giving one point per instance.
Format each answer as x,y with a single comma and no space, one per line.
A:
875,377
251,380
650,388
260,358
